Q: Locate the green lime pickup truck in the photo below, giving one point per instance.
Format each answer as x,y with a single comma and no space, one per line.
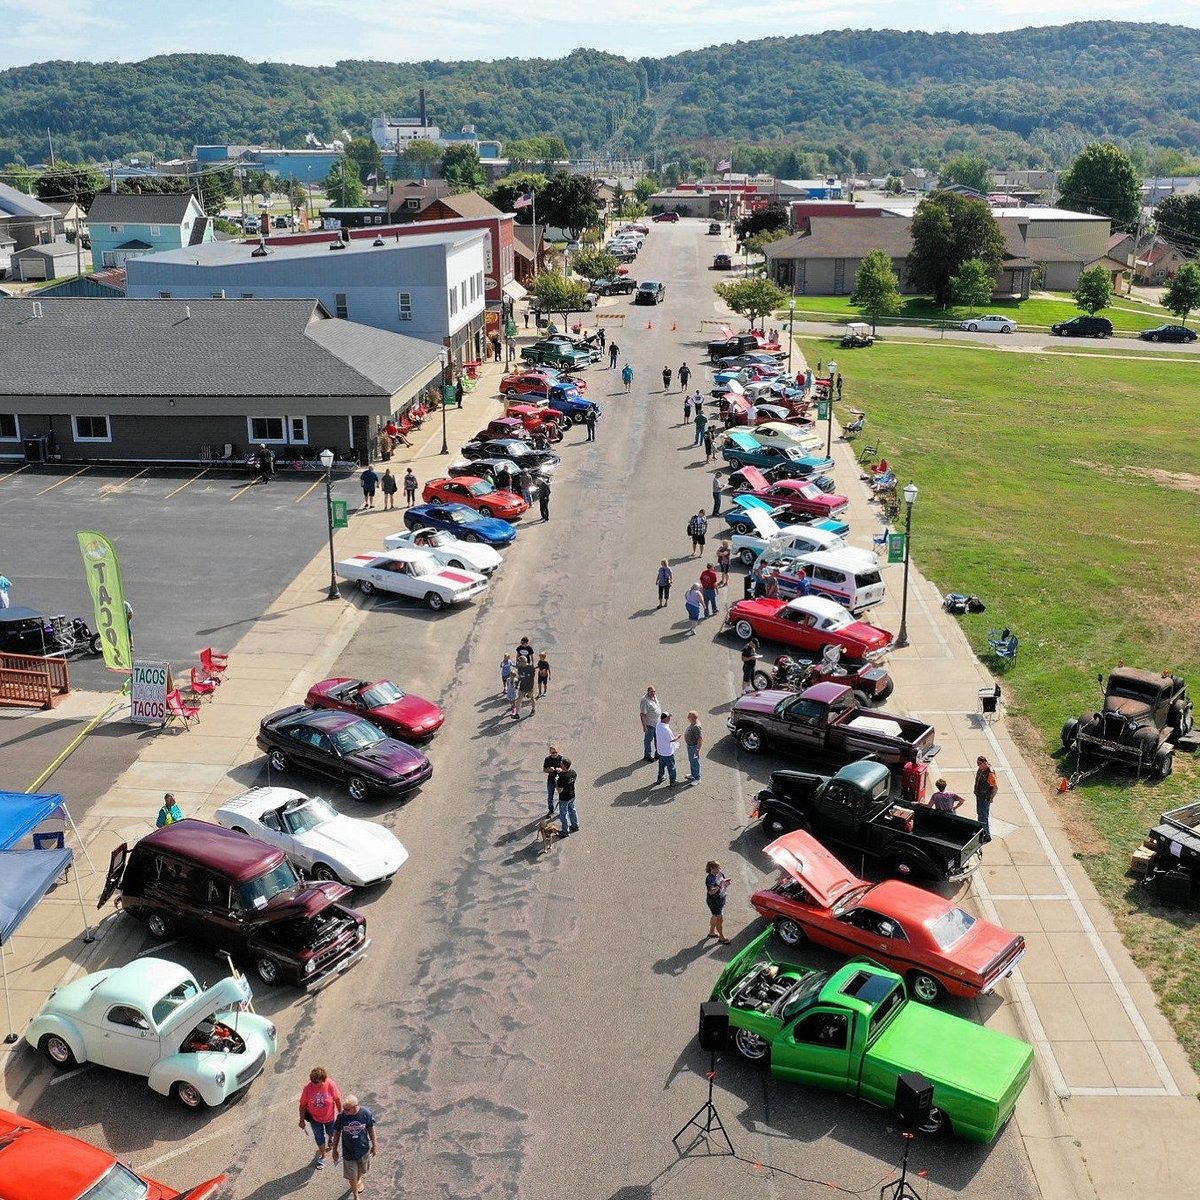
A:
856,1031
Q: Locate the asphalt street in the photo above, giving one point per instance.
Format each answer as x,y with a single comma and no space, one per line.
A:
525,1024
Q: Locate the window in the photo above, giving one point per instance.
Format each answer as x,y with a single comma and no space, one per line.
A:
341,307
116,229
92,429
164,295
298,430
462,288
130,1018
266,429
247,295
823,1029
405,299
453,301
10,430
414,203
156,231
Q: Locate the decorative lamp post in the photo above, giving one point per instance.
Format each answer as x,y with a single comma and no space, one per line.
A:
829,411
791,318
444,355
910,498
326,457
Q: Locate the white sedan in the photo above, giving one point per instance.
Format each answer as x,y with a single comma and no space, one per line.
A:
990,324
769,538
413,573
322,842
446,549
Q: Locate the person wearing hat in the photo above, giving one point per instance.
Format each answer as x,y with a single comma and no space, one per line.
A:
354,1140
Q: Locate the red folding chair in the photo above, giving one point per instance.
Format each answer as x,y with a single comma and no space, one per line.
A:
214,664
178,709
201,686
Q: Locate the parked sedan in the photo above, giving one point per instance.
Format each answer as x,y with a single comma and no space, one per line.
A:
343,747
934,944
722,262
447,550
396,712
672,217
415,573
151,1018
809,623
463,522
324,843
1168,333
486,499
989,324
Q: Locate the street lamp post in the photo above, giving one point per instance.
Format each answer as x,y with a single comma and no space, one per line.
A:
445,357
791,318
327,462
829,412
910,498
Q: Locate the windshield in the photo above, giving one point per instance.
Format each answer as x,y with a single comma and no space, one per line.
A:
357,736
949,929
465,516
173,999
309,815
119,1183
1132,689
481,488
420,566
257,893
803,994
379,694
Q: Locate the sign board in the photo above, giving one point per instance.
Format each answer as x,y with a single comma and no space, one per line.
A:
108,598
510,328
896,547
823,409
340,513
449,394
149,685
490,284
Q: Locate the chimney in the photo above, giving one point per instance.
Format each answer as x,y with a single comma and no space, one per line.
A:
422,109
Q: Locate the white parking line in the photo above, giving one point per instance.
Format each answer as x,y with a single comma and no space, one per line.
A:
70,1074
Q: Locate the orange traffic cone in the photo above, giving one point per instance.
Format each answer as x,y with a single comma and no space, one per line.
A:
674,326
649,324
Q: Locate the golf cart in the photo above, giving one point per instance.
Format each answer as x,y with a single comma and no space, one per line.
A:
858,333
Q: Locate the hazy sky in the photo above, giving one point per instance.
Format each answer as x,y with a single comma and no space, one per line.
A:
323,31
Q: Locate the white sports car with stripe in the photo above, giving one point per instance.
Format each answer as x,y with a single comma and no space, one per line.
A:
446,549
413,573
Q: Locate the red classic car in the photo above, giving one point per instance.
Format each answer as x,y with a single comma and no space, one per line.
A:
934,944
537,418
537,382
398,713
809,623
478,494
802,496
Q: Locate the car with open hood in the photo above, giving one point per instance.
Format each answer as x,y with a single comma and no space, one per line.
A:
446,549
520,452
238,895
738,515
414,573
809,623
803,495
937,946
764,535
397,712
151,1018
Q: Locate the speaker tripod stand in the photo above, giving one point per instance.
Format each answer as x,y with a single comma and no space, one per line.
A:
711,1118
900,1190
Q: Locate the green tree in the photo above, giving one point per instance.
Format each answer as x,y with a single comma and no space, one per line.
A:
644,188
419,156
620,198
947,230
1178,219
974,284
66,183
1182,295
1102,180
969,170
758,243
211,193
570,202
541,148
21,177
753,299
553,292
773,216
461,169
594,264
511,188
894,185
297,194
344,188
876,287
1094,290
367,156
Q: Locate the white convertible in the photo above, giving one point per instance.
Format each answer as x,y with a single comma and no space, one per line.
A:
322,842
769,535
151,1018
446,549
413,573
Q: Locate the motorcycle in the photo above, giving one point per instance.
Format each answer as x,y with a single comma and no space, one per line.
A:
872,685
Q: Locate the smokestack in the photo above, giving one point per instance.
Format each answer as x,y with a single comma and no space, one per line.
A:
422,109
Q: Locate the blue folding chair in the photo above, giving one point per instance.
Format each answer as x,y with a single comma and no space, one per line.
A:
1003,644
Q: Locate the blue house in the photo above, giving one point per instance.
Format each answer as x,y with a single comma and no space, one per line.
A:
125,225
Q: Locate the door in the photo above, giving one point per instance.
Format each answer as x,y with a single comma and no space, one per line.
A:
815,1050
802,723
839,809
116,871
866,931
218,919
126,1041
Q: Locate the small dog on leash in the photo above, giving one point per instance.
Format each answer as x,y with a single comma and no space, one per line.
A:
549,832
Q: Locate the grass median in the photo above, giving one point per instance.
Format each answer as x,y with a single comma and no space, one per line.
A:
1063,490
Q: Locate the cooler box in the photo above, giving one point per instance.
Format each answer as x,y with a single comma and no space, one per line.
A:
912,782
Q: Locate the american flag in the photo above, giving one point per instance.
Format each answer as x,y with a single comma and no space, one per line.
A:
372,178
725,165
523,201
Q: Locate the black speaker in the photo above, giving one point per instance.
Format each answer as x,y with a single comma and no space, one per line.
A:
714,1025
914,1099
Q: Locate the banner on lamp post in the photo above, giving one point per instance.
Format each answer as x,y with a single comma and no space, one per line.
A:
108,599
897,544
823,409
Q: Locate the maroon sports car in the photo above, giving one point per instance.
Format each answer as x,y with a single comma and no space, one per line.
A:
396,712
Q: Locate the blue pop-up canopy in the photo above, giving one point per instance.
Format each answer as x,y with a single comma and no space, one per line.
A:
22,812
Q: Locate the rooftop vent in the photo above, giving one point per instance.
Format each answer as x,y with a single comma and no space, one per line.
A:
260,251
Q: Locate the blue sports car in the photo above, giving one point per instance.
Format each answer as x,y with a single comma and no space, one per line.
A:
461,521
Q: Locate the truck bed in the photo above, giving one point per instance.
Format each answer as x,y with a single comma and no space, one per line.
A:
1182,826
960,834
888,736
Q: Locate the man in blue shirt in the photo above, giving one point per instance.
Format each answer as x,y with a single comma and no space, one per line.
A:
354,1139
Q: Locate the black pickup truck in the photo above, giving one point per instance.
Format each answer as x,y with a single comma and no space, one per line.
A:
853,810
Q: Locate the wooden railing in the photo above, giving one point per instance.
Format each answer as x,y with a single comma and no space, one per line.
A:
31,682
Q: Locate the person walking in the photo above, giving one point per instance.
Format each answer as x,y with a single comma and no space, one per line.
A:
388,486
944,800
697,529
718,486
649,712
543,495
666,376
320,1103
542,667
525,681
354,1139
685,373
693,740
687,408
693,602
510,694
527,318
838,385
590,421
701,426
716,887
524,651
169,813
370,481
506,670
749,665
567,816
708,442
708,585
552,764
614,352
410,488
496,346
664,579
459,389
627,376
986,787
665,739
601,337
724,554
266,464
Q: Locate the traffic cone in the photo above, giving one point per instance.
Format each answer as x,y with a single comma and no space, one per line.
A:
649,324
674,326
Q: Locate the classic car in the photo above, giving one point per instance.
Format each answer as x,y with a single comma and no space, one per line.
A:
564,401
342,746
650,291
463,522
765,363
557,354
398,713
803,496
79,1170
522,453
937,946
778,546
791,433
1168,333
741,449
150,1018
487,500
988,324
855,1031
810,623
324,843
589,344
446,549
738,516
502,472
722,262
544,375
413,573
27,631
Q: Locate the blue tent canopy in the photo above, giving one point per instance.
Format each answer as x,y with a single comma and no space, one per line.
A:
22,812
25,877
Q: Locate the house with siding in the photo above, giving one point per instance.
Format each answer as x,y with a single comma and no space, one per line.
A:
124,225
25,219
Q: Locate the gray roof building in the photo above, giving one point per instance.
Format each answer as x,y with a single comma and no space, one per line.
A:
26,219
140,208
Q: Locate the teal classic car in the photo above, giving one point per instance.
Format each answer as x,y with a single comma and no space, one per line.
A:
741,449
856,1031
552,353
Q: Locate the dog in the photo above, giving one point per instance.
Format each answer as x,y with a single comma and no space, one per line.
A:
549,832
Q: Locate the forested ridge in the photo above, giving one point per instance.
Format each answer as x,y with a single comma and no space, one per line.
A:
870,99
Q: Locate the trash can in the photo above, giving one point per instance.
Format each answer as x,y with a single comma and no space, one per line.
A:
37,448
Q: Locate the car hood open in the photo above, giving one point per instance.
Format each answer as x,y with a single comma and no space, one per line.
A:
225,996
817,871
297,902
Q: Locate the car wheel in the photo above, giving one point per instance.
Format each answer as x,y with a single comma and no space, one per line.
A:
1070,735
753,1047
762,681
356,785
1007,328
94,644
58,1052
791,933
578,418
972,328
862,699
1164,764
1186,722
1153,337
267,969
158,926
744,630
484,511
511,392
366,586
434,601
924,987
750,739
189,1096
901,866
277,760
470,537
454,562
746,557
774,826
324,873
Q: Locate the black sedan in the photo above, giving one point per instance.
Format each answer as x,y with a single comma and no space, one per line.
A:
522,453
1168,333
342,746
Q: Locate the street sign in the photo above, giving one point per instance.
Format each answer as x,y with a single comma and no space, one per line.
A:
896,547
150,683
340,510
823,409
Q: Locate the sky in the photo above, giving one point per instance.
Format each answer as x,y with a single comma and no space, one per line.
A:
320,32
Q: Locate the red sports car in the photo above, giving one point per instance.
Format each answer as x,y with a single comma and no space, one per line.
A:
810,623
802,496
478,494
937,946
537,383
399,714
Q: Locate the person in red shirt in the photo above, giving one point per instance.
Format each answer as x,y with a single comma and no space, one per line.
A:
708,585
320,1103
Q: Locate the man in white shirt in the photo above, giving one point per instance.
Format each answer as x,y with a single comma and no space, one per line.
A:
665,740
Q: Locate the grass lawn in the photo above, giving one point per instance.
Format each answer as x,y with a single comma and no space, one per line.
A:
1062,489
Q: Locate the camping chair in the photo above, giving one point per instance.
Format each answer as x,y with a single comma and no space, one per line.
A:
1003,644
880,540
200,686
214,664
868,452
989,702
178,709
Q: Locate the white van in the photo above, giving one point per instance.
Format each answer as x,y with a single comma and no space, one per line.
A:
850,576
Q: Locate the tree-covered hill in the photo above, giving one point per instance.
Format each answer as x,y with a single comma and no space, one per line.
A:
870,99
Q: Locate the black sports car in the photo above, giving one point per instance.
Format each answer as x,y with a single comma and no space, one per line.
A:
522,453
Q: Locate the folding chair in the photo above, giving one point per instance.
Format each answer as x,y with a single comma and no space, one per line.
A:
200,686
1003,644
989,702
178,709
214,664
